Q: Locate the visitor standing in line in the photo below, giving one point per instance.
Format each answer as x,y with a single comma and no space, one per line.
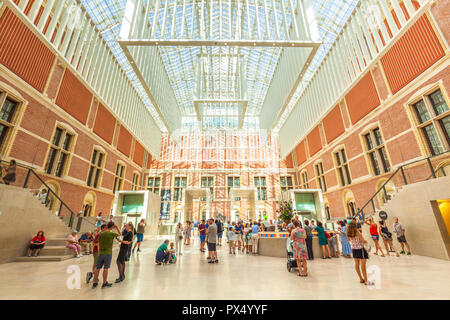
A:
323,240
125,243
178,238
346,247
187,233
219,232
140,235
255,237
386,235
360,254
134,232
105,241
309,237
212,241
99,220
400,231
95,251
298,235
231,240
202,231
375,236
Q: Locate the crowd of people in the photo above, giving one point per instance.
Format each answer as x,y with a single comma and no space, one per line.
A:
242,237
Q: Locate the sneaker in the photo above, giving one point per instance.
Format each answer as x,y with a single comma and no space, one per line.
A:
210,261
402,252
409,253
216,261
106,285
89,276
29,256
94,285
138,250
119,279
208,258
36,254
81,255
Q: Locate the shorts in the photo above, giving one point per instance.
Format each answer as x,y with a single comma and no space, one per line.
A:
140,237
95,255
104,261
375,237
219,235
202,238
231,243
36,246
401,239
211,246
360,254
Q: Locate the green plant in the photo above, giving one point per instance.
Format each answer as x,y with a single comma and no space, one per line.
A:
285,211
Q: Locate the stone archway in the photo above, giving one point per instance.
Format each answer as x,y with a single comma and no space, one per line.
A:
189,194
390,190
349,203
443,169
250,195
52,202
89,202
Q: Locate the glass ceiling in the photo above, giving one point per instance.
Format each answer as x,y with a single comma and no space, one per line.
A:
180,62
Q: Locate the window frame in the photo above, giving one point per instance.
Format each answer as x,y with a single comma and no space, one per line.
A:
234,177
60,150
287,186
259,188
435,120
211,188
382,163
14,123
342,167
305,181
179,188
98,169
119,179
153,187
135,182
320,178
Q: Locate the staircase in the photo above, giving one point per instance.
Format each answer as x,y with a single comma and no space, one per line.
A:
21,216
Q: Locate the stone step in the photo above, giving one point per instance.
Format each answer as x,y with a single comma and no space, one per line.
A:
55,251
44,258
57,241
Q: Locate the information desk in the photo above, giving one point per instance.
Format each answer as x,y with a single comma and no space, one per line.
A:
273,244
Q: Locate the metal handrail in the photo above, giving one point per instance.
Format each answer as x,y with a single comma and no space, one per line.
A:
401,169
30,171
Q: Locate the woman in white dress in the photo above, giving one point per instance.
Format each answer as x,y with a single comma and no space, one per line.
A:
179,231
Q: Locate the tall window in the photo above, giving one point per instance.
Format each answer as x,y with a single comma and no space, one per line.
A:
179,185
342,167
135,182
154,184
433,119
7,113
351,207
376,151
286,183
233,182
165,204
261,186
305,184
327,212
208,182
96,169
60,151
321,177
118,177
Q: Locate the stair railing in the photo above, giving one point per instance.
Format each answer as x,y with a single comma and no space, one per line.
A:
51,195
403,178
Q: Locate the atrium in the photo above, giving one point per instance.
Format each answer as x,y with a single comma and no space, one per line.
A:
284,122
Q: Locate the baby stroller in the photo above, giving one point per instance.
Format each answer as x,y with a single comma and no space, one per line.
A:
291,262
171,258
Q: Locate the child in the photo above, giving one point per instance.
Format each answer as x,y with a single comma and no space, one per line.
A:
248,239
172,256
230,236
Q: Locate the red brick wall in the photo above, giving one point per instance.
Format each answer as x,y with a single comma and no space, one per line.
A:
333,124
416,51
16,40
362,99
104,124
125,139
314,142
74,97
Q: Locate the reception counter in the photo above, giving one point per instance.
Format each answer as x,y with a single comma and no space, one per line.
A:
273,244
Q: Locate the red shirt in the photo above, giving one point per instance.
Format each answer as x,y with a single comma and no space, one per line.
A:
96,243
38,239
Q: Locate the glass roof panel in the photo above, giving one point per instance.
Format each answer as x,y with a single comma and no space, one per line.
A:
180,61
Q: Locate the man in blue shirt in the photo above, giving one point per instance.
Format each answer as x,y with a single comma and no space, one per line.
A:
202,231
86,242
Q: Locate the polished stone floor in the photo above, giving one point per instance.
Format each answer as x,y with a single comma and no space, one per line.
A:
235,277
